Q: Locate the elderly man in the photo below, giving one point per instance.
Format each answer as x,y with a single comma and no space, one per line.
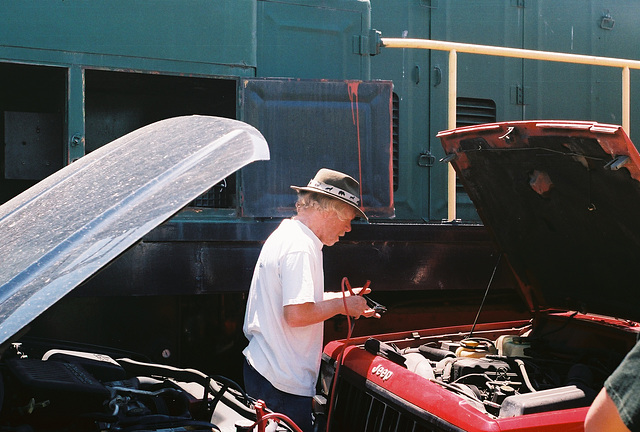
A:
287,304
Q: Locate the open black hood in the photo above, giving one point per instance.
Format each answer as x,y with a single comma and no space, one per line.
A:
562,201
61,231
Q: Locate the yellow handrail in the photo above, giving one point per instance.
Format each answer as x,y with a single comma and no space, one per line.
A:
455,47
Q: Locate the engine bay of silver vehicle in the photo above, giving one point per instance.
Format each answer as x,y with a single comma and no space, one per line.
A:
558,364
46,389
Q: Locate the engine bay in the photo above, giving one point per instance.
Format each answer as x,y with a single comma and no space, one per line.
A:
560,363
504,383
72,390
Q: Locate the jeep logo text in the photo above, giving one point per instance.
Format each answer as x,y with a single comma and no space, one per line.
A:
382,372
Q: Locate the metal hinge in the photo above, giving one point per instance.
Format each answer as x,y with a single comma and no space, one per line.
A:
517,95
367,44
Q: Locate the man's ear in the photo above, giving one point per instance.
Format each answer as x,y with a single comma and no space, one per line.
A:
325,214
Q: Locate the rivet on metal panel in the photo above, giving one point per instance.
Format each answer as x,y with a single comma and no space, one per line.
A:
76,140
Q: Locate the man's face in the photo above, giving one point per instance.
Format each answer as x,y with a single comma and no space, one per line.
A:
336,224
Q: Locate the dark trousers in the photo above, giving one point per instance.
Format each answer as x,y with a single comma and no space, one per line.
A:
297,408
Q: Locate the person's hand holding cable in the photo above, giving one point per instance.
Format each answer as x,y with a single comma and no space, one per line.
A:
356,307
373,309
355,304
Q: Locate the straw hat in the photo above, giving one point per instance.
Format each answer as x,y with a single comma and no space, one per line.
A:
336,185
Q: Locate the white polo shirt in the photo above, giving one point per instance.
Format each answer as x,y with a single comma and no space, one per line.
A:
289,271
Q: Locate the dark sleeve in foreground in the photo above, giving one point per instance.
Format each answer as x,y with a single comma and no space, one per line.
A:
623,387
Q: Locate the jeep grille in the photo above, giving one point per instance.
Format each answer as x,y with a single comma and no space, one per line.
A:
363,406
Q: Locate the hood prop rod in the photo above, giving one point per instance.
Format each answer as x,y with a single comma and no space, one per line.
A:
486,292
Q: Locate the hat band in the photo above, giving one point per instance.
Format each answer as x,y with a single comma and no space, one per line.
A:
333,190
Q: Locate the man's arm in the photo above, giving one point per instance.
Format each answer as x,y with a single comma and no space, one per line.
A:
603,415
305,314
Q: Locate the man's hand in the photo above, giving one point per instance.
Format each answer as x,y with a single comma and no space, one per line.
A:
304,314
357,306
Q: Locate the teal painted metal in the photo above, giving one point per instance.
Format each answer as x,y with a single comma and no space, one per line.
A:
200,36
410,72
518,89
479,77
313,39
108,48
75,120
602,28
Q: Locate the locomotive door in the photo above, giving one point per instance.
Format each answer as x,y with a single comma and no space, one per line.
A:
489,88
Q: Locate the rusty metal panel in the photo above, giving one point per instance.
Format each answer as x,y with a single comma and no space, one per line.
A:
309,124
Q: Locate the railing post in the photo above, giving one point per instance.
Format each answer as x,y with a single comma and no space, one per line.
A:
452,120
626,100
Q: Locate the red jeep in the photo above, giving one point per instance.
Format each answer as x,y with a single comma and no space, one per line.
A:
561,199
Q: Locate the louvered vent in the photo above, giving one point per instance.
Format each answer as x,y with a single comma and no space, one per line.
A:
396,140
472,111
222,195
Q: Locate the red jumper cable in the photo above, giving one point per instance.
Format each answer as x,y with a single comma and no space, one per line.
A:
345,283
263,417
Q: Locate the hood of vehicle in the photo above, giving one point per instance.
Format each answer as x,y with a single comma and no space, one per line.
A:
58,233
562,201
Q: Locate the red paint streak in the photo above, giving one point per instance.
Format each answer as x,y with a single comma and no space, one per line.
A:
355,116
